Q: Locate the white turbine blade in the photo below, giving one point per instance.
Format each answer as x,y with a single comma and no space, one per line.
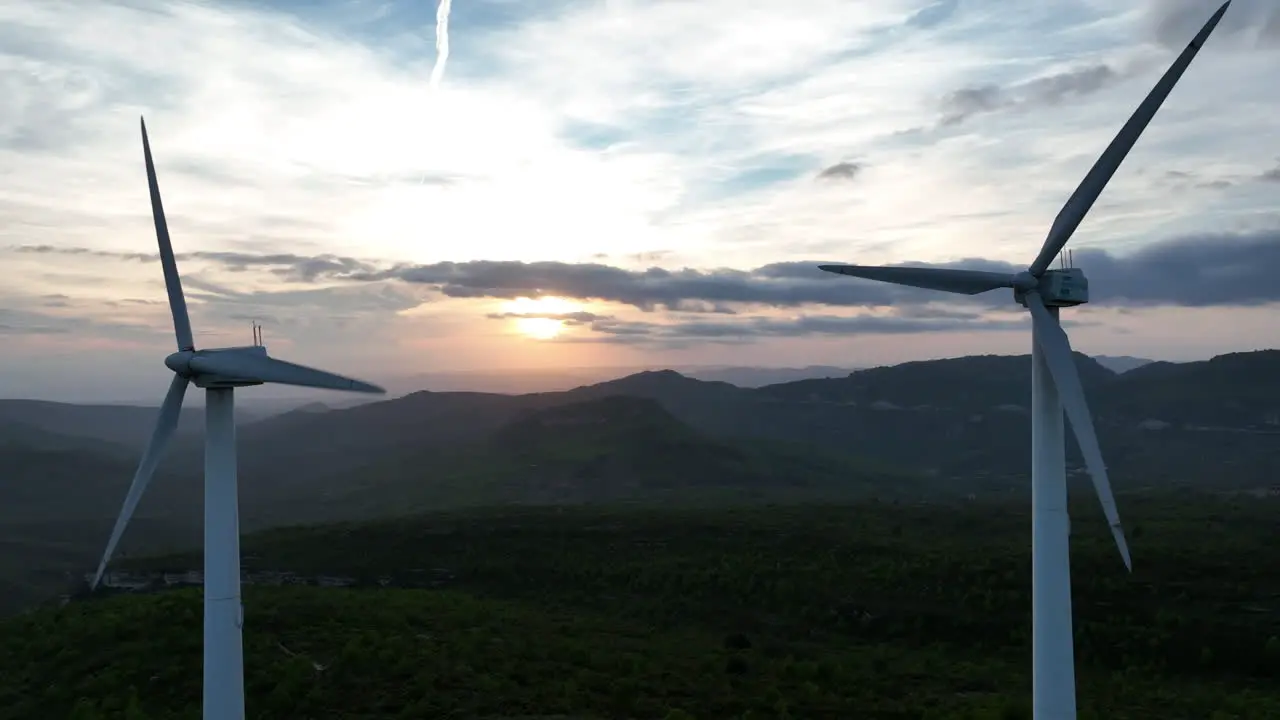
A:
166,423
1062,366
172,283
963,282
1091,187
254,366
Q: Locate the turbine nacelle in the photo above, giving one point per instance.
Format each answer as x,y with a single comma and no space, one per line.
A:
187,363
1057,288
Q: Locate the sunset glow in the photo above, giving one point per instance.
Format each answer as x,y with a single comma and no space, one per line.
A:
540,318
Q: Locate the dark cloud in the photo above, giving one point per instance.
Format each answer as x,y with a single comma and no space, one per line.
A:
962,104
1183,180
783,285
841,171
1197,271
746,330
1252,22
292,267
1272,175
572,318
302,268
1189,271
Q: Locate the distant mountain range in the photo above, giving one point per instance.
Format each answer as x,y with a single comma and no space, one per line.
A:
954,426
521,381
1121,363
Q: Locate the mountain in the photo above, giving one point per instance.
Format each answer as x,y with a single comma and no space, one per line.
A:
1209,422
128,425
59,496
537,380
752,377
1237,390
961,423
615,448
1121,363
962,419
975,383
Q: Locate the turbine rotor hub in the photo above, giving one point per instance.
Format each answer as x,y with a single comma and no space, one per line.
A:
1025,281
180,363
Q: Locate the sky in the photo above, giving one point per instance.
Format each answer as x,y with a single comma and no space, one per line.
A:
401,187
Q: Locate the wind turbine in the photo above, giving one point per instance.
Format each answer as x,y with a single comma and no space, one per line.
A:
219,371
1055,387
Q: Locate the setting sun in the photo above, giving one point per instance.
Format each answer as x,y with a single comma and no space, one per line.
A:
539,328
540,318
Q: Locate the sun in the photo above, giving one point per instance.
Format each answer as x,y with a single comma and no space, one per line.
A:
539,328
538,318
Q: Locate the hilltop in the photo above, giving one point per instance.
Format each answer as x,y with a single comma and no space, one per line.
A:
616,448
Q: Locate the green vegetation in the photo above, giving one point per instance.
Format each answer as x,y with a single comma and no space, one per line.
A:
615,449
868,610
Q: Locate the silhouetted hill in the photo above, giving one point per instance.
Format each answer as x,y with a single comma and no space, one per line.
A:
976,383
615,448
128,425
1121,363
59,496
1238,390
962,422
753,377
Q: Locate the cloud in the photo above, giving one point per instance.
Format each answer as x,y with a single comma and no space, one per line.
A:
1197,271
1255,23
841,171
570,318
752,329
1272,175
286,265
52,320
1192,271
965,103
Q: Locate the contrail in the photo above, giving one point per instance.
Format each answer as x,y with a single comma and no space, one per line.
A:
442,41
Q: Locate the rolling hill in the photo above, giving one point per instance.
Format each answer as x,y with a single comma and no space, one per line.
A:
617,448
649,437
59,495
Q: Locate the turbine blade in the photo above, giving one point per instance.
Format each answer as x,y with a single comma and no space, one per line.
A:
260,367
1090,188
962,282
1062,366
172,283
166,423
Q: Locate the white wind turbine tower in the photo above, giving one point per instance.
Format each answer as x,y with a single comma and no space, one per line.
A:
219,371
1055,387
